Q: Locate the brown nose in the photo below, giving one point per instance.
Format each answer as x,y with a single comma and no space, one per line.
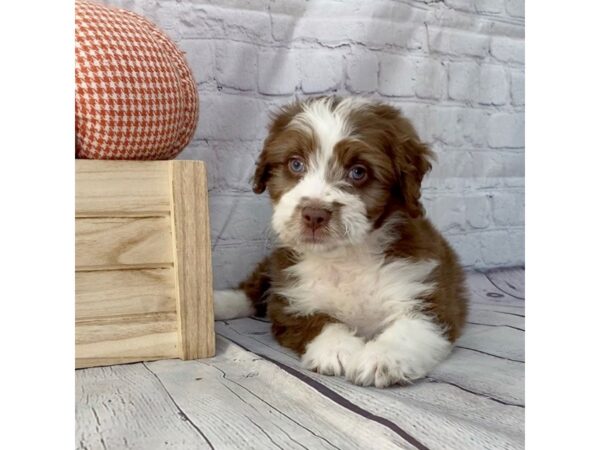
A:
315,217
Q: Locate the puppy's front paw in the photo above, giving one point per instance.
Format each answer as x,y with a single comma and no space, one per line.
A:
330,351
380,366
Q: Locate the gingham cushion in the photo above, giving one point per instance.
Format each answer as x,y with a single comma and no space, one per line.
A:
135,95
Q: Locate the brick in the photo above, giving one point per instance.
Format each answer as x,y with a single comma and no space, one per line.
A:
362,71
506,130
418,114
468,248
463,79
517,88
515,8
164,14
320,71
196,22
397,76
490,165
459,126
478,211
237,65
235,164
221,22
508,50
239,217
493,85
431,80
451,164
245,25
200,56
503,248
489,6
446,212
456,42
509,209
277,72
232,117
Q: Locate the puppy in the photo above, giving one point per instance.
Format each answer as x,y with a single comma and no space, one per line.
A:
361,284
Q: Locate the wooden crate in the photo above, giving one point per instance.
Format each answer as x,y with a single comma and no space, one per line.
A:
143,272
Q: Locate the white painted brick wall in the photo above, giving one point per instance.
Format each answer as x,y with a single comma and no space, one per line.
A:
455,67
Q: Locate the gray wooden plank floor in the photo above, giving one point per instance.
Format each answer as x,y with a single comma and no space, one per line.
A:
254,394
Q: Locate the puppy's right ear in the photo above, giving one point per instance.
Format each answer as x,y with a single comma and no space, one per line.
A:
261,174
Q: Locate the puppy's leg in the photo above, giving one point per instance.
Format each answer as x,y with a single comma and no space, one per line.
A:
249,299
405,351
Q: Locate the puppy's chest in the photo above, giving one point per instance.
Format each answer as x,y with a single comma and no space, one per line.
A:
364,293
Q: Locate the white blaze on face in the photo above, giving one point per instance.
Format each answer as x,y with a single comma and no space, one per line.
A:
328,128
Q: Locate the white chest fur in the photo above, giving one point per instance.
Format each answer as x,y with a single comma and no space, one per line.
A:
357,287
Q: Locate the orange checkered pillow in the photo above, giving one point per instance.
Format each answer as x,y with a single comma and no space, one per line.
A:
135,95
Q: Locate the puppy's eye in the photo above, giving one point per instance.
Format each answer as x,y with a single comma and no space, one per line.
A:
357,174
296,165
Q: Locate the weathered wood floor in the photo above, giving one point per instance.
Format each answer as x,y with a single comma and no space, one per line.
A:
254,394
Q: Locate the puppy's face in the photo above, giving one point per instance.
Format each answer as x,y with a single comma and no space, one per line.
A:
336,169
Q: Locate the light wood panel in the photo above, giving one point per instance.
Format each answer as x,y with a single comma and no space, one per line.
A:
127,339
122,188
124,293
193,269
118,243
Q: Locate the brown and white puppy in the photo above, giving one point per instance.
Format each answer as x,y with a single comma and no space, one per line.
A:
361,284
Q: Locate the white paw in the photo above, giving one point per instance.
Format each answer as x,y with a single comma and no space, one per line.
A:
231,304
381,366
330,352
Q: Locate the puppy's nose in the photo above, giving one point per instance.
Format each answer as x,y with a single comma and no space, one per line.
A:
315,217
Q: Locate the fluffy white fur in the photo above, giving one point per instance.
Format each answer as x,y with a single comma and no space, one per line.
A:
405,351
331,351
356,286
231,304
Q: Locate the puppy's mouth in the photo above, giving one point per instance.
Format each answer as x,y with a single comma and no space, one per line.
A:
314,236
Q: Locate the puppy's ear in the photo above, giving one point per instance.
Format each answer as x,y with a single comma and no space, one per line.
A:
413,161
261,174
410,157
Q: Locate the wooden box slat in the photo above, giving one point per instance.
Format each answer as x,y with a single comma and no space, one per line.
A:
120,243
122,189
189,220
143,263
123,293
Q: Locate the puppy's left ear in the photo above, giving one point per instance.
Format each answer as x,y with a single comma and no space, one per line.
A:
413,161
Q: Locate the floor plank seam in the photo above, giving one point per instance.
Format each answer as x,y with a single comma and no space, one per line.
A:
490,354
262,399
478,394
337,398
180,411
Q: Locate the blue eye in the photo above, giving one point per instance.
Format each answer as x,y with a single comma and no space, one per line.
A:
296,165
357,173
